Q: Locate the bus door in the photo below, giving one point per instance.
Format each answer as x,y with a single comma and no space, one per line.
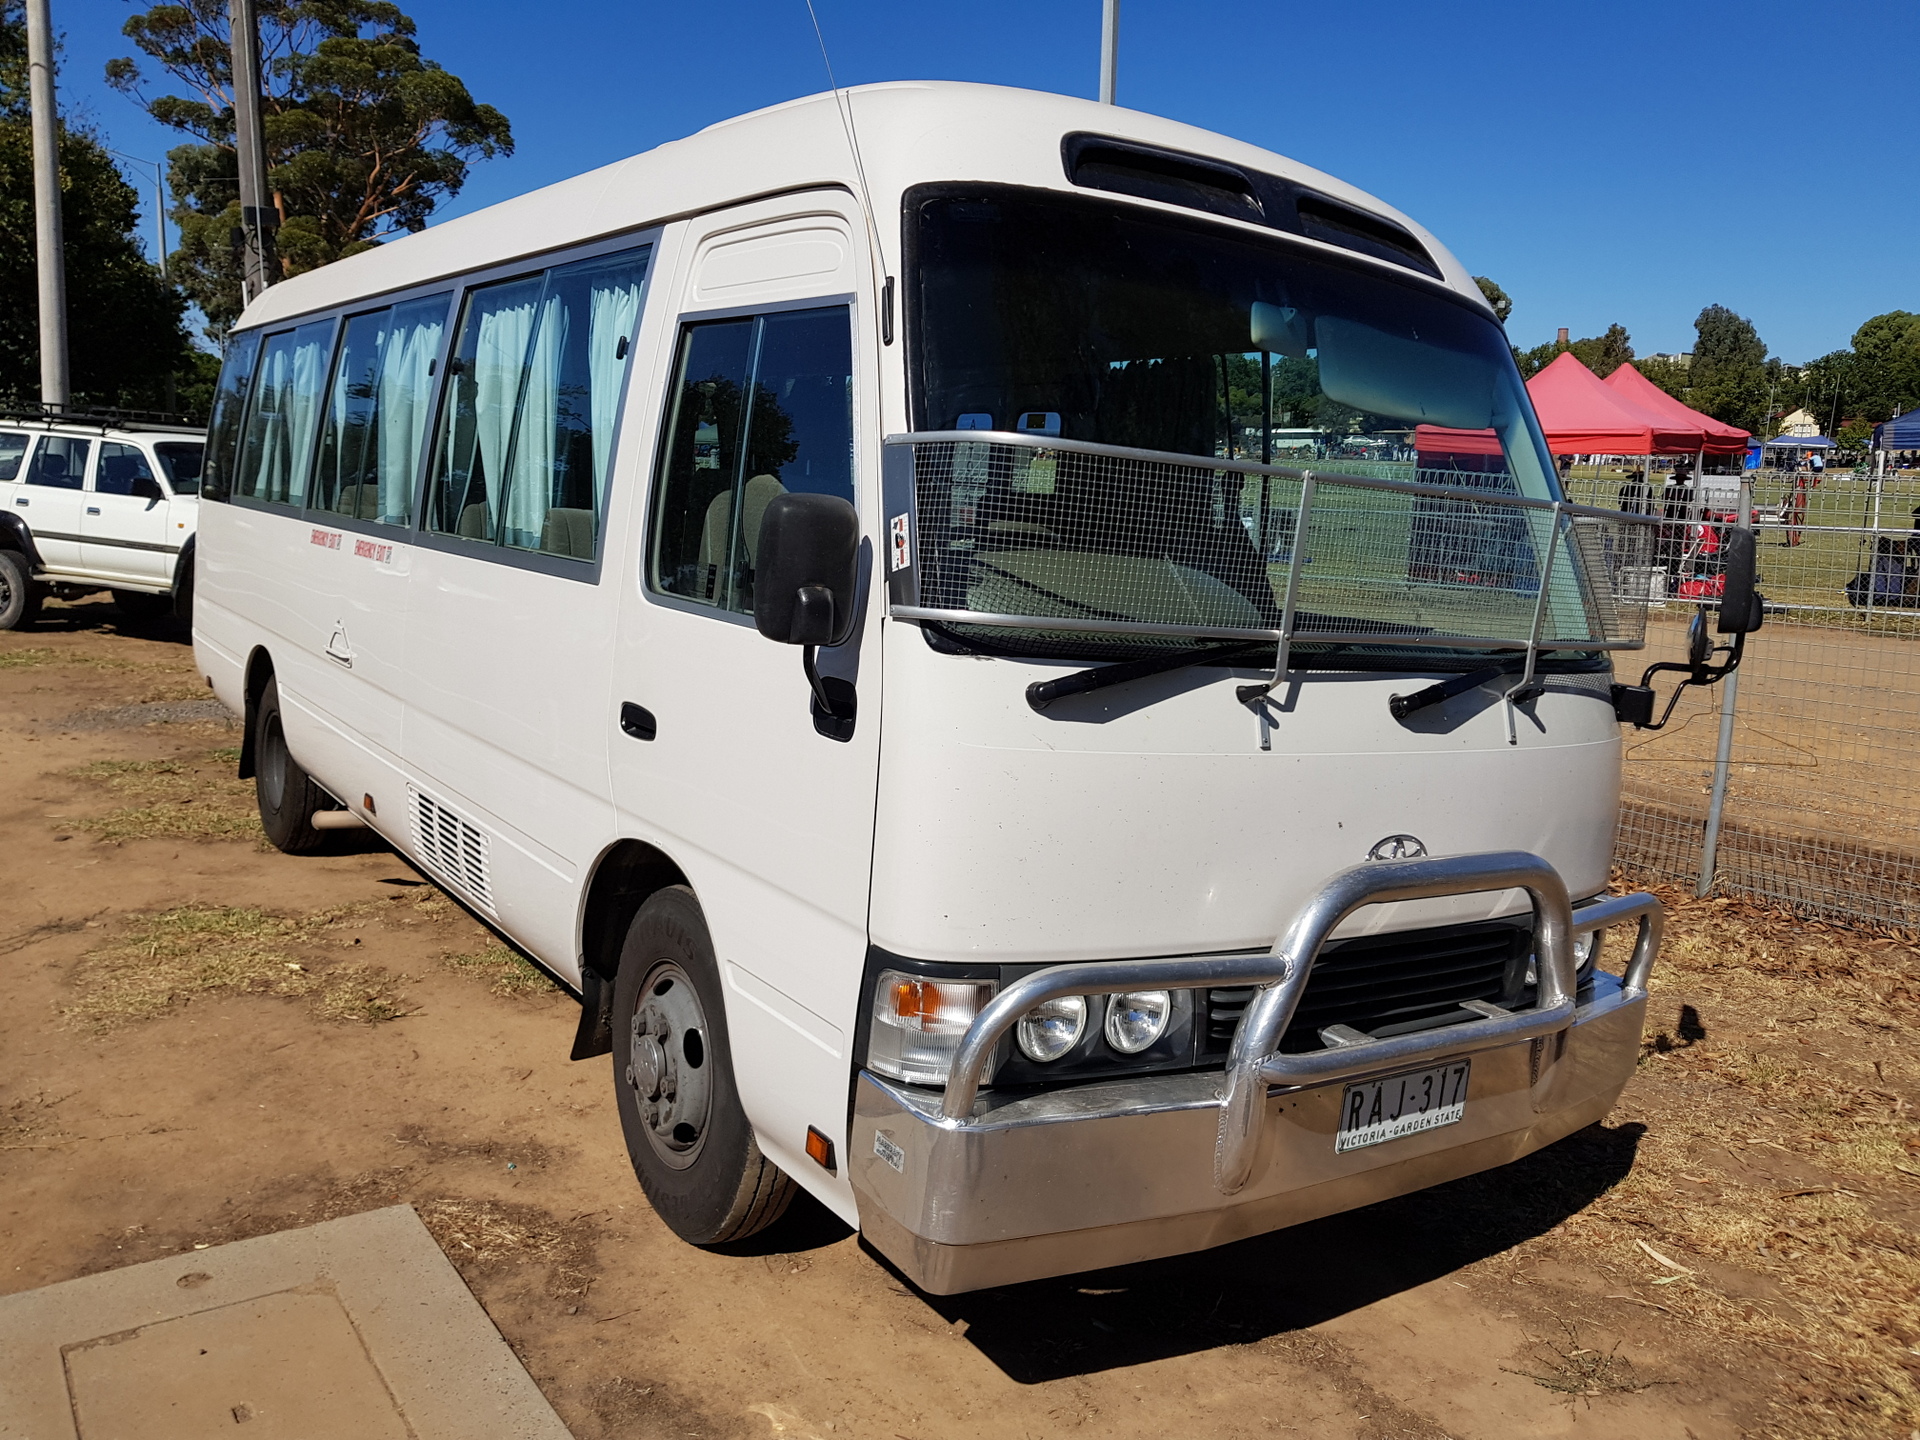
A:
718,753
359,510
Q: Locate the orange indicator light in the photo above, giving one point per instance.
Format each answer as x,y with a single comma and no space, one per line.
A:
819,1149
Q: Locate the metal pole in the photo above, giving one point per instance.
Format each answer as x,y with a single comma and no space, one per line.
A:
159,206
1723,752
250,148
1109,50
49,241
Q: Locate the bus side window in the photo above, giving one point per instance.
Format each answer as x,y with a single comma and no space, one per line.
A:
532,400
377,412
229,401
276,442
762,407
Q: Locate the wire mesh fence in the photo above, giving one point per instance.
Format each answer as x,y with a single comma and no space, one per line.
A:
1821,813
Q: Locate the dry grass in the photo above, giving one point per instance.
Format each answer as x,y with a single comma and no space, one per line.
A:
36,655
1579,1371
176,689
1778,1168
172,799
168,959
506,971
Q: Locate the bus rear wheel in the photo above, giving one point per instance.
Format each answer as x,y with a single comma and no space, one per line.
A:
691,1145
287,795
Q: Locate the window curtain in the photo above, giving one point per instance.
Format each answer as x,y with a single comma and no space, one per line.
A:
613,308
499,355
402,390
287,408
264,469
301,406
530,467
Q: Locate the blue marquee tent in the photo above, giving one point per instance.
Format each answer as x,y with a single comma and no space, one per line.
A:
1900,433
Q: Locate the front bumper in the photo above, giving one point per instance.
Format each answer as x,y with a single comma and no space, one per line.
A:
1022,1187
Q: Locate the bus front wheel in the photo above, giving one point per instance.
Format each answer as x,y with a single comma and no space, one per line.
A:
687,1136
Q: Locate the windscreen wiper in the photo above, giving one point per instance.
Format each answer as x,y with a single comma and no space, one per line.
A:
1043,693
1404,705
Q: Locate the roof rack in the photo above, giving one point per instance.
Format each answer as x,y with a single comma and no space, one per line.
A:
102,418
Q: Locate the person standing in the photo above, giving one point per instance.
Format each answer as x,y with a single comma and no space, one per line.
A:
1796,515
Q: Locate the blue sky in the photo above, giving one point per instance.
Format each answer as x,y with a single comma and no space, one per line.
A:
1603,162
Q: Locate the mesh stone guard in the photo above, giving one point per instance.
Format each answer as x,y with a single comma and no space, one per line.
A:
996,529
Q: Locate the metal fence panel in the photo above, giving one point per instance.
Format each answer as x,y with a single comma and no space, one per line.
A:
1822,810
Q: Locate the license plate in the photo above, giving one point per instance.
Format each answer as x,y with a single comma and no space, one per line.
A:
1376,1111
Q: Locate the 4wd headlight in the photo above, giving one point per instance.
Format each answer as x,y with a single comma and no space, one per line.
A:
1052,1028
917,1024
1136,1019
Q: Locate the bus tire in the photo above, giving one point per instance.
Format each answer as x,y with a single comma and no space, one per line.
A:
19,596
287,795
691,1145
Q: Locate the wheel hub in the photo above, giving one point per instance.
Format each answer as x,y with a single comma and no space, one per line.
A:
667,1068
648,1067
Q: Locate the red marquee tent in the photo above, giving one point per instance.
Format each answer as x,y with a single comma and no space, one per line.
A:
1581,415
1718,438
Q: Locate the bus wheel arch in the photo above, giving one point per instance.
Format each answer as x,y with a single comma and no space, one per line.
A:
625,877
259,672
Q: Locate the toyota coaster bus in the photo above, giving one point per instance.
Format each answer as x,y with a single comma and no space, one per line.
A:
1025,661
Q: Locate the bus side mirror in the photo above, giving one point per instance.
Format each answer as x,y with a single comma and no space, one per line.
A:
1742,609
806,570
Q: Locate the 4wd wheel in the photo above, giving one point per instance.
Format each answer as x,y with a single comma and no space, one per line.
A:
688,1138
287,795
19,596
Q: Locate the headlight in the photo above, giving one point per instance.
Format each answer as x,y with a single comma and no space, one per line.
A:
917,1024
1582,953
1136,1019
1051,1029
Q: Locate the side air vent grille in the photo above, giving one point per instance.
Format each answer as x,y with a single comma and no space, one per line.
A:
1198,182
1390,984
452,848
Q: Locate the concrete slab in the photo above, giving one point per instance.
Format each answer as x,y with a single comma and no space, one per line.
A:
355,1328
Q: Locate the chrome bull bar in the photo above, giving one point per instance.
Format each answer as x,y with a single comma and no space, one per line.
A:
1254,1065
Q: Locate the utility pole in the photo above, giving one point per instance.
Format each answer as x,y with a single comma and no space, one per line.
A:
49,241
159,206
257,216
1109,50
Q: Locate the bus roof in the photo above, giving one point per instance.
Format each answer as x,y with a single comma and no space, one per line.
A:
910,132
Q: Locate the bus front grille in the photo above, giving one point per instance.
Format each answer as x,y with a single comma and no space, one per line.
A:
1390,984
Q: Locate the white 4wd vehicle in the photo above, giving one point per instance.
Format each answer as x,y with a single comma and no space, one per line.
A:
94,504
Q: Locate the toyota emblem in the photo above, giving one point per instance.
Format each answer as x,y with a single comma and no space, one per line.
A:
1398,847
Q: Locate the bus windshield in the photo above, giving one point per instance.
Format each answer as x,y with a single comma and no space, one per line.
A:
1128,327
1076,319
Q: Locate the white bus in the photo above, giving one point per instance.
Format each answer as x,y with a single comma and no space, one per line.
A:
830,608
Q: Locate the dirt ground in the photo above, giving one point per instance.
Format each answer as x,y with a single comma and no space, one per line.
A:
205,1040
